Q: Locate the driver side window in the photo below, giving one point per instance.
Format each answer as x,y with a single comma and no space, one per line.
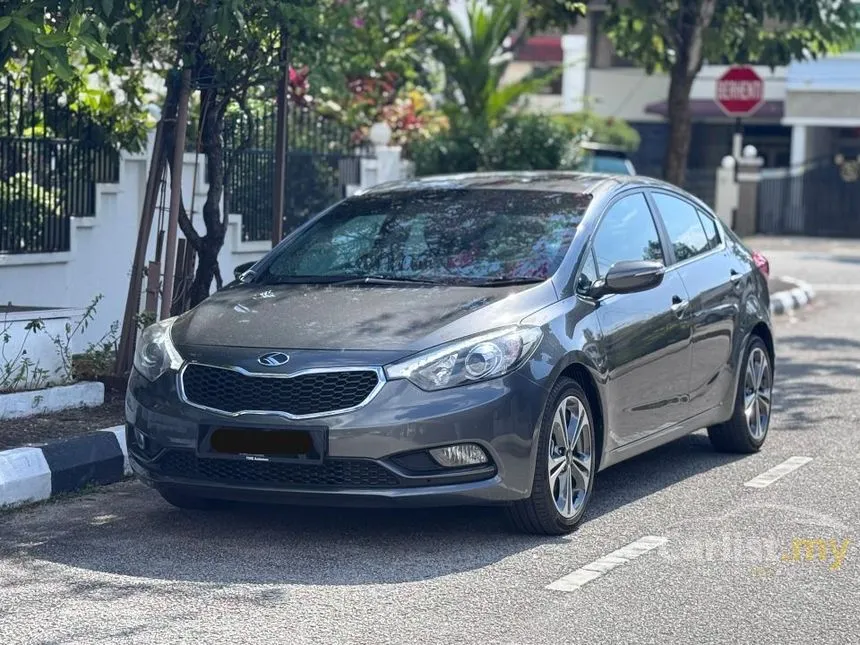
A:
627,232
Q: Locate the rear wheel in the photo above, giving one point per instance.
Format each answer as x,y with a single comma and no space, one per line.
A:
747,429
186,501
564,472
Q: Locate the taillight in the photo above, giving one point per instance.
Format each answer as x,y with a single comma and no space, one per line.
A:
762,263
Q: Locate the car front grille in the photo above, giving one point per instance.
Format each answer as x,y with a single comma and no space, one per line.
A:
303,395
332,473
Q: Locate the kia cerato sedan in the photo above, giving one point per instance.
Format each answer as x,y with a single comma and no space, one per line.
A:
469,339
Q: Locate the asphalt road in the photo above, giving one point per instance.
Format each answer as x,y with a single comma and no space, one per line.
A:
121,566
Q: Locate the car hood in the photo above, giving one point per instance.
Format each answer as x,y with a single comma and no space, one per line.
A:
354,317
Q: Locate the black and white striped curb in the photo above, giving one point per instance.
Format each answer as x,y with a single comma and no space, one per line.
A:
33,474
787,300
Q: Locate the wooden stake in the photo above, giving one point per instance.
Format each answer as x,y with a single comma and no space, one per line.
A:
281,142
175,194
153,276
128,336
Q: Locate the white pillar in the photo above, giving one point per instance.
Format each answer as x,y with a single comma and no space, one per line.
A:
798,144
799,156
573,81
388,164
726,195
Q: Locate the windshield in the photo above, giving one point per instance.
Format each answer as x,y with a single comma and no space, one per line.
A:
445,236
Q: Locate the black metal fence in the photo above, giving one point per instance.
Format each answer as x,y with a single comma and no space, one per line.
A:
49,168
322,160
821,198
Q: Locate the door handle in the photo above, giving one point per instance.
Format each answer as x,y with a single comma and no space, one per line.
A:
679,306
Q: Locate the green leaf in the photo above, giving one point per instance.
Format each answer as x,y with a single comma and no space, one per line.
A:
59,66
95,48
26,25
107,7
5,21
40,67
53,40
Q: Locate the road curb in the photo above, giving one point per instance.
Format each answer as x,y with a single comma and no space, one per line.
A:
788,300
34,474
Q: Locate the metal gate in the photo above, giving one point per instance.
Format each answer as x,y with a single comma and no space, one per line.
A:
322,160
819,199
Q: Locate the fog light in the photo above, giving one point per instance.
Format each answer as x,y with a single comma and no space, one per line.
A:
140,439
463,454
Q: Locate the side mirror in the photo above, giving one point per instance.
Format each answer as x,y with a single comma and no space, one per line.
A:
629,277
239,271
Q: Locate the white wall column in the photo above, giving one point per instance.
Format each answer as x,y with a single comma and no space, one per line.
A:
573,81
798,145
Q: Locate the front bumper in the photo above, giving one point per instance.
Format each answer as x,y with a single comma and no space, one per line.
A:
375,455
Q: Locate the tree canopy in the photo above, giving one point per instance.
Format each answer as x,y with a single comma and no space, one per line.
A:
680,37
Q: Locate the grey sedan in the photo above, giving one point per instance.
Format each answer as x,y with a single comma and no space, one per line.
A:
469,339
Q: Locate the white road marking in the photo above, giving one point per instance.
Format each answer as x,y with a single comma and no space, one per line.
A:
777,472
593,570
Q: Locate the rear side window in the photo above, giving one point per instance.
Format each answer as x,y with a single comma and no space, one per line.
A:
681,219
711,230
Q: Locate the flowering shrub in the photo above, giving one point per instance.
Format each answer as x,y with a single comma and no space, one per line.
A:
408,114
300,87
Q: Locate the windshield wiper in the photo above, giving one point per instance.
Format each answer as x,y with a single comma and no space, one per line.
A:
384,280
504,282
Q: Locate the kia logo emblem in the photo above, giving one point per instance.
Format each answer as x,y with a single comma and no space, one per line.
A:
273,359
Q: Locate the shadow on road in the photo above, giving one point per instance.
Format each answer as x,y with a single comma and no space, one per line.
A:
800,385
129,531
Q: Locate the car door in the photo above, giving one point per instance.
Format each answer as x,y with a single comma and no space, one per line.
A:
646,334
699,257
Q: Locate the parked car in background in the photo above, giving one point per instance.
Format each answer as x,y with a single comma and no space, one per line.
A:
488,338
605,158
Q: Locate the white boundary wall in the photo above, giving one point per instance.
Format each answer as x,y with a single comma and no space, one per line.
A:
102,247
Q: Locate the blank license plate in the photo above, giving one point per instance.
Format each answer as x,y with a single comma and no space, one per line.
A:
250,442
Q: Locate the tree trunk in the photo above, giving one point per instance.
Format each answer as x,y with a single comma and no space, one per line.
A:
680,126
211,127
688,41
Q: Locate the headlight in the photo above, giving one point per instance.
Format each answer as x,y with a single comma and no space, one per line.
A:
478,358
155,353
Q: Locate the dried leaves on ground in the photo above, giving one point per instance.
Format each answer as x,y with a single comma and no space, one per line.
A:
15,433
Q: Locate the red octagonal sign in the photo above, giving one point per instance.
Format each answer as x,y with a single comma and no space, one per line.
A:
740,91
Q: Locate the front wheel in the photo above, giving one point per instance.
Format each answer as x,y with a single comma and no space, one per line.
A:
566,461
746,430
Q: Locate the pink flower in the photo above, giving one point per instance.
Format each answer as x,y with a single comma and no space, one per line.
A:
358,22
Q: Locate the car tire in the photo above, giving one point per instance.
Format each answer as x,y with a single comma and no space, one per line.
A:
741,433
186,501
548,511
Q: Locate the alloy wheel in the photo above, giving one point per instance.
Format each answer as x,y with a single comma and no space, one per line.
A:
758,385
570,456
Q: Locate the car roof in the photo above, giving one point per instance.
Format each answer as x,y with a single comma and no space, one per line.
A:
603,147
598,185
